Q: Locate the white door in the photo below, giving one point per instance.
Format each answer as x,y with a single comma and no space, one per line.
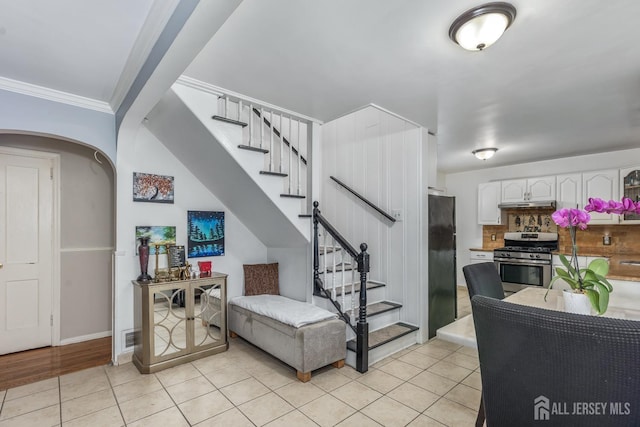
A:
26,218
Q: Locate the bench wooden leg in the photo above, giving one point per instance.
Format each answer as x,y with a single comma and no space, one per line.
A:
338,364
233,334
304,376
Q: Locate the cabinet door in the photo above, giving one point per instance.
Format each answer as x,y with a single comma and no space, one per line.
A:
514,190
569,191
169,326
541,188
209,319
630,187
603,184
488,199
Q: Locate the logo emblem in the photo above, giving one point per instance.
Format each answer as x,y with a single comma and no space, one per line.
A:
541,408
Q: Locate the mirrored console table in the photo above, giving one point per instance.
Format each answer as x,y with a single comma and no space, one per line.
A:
179,321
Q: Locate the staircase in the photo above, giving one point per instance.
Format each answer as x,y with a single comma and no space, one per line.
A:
360,301
271,149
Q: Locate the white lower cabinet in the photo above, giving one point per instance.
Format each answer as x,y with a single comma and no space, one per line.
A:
477,257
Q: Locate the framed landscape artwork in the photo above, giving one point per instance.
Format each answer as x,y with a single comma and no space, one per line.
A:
157,234
205,230
152,188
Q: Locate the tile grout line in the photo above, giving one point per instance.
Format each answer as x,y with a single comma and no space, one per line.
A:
60,399
113,392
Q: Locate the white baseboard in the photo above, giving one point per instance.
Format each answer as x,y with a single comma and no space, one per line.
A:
82,338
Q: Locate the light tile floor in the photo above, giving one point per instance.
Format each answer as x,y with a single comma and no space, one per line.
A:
434,384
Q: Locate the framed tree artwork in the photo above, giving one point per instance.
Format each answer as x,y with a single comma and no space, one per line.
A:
152,188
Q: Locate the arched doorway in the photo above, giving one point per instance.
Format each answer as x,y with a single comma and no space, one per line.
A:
85,224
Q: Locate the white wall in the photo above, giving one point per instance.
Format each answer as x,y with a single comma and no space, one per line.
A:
24,113
380,156
464,186
146,154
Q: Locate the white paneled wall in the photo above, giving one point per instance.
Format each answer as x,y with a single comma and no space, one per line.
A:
380,156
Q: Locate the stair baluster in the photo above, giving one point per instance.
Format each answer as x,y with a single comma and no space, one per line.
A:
290,154
333,268
250,125
342,288
281,144
261,128
299,158
271,142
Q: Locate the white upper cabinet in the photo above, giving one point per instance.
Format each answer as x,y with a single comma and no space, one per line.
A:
488,200
514,190
630,187
529,190
605,185
541,188
569,191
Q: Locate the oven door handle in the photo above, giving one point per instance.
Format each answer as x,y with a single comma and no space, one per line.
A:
522,261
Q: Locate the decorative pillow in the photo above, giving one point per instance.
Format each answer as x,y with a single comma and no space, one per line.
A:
261,279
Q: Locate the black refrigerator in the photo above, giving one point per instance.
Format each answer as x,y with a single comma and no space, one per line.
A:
442,262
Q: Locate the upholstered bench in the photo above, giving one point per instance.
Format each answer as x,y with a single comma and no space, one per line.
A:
302,335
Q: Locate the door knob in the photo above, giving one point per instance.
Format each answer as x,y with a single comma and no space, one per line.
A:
1,265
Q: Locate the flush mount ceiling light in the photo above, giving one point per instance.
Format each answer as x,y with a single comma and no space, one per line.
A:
482,26
484,153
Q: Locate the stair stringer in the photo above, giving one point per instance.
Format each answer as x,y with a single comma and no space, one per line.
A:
231,174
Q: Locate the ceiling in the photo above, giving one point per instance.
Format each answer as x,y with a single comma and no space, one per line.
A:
564,80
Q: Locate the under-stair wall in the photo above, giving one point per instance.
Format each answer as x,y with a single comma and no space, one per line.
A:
381,156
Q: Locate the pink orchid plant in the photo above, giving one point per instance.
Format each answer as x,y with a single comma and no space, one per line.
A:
590,281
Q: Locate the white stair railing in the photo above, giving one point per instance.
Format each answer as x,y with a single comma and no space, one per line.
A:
285,137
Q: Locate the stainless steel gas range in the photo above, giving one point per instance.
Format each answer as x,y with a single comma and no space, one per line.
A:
525,260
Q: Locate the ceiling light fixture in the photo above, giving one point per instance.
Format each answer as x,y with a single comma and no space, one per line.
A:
484,153
482,26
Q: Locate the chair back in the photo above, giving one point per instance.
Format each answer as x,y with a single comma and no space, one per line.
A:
483,279
556,368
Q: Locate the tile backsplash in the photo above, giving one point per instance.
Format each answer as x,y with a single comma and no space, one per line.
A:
530,221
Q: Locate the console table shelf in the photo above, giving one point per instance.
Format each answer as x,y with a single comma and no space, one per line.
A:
179,321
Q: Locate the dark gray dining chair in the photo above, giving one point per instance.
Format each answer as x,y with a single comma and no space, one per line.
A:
554,368
483,279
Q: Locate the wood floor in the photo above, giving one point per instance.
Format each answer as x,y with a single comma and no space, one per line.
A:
40,364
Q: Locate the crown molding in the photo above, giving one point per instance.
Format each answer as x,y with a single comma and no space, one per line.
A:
54,95
218,91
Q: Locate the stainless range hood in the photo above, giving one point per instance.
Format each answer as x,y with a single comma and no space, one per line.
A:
550,204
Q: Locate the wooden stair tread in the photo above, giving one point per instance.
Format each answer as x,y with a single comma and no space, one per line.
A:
225,120
328,249
378,308
273,173
294,196
250,148
339,267
370,285
385,335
